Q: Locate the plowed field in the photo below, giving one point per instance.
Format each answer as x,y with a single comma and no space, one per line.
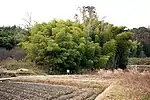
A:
38,91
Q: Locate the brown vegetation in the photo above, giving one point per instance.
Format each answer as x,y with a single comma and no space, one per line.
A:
11,64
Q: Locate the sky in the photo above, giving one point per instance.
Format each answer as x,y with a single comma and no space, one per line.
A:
130,13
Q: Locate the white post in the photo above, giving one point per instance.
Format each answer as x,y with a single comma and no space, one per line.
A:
68,71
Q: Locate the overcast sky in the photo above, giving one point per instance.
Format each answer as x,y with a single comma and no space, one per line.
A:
130,13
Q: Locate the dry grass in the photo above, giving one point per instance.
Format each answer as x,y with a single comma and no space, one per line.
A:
11,64
130,85
139,61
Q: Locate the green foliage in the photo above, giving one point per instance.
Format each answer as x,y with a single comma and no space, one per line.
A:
134,49
124,44
64,45
78,45
11,36
87,43
109,48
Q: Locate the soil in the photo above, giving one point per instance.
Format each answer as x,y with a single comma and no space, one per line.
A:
39,91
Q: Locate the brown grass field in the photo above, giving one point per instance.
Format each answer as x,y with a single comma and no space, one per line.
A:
102,85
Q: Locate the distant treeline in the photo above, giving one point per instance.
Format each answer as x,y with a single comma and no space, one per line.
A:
142,35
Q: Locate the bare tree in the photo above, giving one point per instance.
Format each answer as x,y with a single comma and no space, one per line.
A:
28,21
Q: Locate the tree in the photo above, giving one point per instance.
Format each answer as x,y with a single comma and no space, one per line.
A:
142,35
10,36
76,45
89,18
124,44
28,21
